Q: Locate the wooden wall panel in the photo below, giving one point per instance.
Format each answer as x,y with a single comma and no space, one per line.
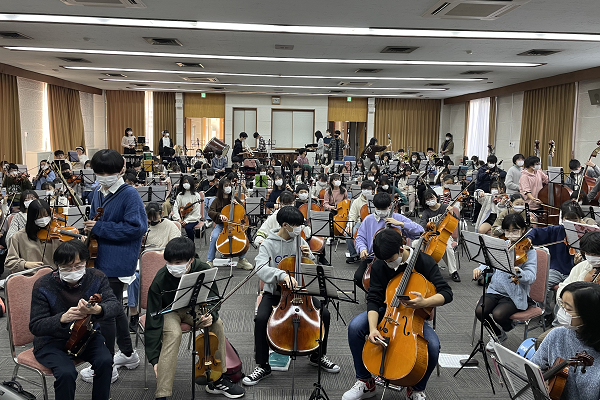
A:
196,106
342,110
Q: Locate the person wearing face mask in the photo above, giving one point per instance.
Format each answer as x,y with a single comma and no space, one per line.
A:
209,186
285,199
488,173
188,196
60,298
335,193
373,223
532,180
83,158
448,146
367,188
302,194
219,163
491,206
128,142
516,205
407,190
579,331
433,211
503,298
392,260
336,146
224,193
26,251
262,145
239,148
19,220
163,333
386,186
575,177
198,158
514,174
15,184
278,187
119,232
165,145
44,175
371,149
321,185
281,243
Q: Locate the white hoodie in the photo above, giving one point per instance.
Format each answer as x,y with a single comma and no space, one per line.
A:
277,248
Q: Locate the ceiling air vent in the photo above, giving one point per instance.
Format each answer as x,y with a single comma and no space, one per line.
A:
398,49
106,3
475,72
539,53
140,84
163,41
284,47
355,84
200,79
217,88
367,71
472,9
436,84
74,59
189,65
116,75
409,92
13,35
337,91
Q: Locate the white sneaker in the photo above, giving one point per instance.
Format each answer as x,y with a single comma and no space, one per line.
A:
87,374
360,390
208,224
131,362
2,283
244,264
501,339
414,395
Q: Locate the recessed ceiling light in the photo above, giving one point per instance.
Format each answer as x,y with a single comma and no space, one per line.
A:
275,59
163,71
302,29
271,86
276,93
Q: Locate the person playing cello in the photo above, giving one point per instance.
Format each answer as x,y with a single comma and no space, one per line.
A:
392,258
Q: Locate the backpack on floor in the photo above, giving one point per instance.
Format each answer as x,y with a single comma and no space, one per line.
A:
234,364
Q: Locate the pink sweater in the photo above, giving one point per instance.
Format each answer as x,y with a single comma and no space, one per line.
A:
329,202
532,183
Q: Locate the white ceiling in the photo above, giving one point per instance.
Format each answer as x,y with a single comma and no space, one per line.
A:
579,16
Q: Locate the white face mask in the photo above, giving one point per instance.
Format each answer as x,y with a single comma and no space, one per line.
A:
396,263
371,178
593,260
45,167
186,186
303,196
414,158
167,135
49,192
382,214
263,173
520,163
26,203
198,154
13,173
385,187
491,165
519,208
107,181
43,222
322,184
513,237
279,182
366,192
227,189
577,171
177,270
72,276
296,231
564,318
431,202
537,166
337,183
494,191
447,137
210,177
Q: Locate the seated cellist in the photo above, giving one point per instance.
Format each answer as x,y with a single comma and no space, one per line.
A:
392,259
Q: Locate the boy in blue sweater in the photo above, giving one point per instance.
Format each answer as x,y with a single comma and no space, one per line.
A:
119,232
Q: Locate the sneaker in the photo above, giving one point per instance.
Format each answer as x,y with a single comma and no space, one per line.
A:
256,376
87,374
326,364
225,387
208,224
2,283
131,362
361,390
244,264
351,260
133,323
501,339
455,277
415,395
210,263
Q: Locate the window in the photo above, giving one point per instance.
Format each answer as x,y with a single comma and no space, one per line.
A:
292,128
478,128
244,120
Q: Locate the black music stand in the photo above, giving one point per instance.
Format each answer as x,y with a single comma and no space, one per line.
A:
493,253
255,209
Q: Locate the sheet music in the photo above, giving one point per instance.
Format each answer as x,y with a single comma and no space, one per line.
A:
500,256
575,231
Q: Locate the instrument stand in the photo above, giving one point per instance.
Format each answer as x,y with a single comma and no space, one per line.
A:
496,256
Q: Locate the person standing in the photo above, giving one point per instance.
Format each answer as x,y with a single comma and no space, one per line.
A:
128,142
320,147
165,145
262,146
336,146
239,147
371,149
448,146
531,182
513,175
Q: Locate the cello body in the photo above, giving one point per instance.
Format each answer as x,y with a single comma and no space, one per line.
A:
233,241
436,246
341,218
560,194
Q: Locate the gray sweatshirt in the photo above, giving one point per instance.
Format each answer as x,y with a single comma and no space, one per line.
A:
512,179
277,248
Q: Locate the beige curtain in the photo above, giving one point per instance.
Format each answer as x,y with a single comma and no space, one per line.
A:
548,115
210,106
492,135
66,122
124,109
164,116
410,122
340,109
10,120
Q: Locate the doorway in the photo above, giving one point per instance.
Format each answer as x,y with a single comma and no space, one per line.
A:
199,131
353,133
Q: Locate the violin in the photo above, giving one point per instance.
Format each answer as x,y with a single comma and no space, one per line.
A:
208,368
188,208
21,177
54,231
82,330
92,242
233,241
73,179
500,197
558,374
592,276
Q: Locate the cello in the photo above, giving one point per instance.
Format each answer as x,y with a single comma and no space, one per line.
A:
553,195
587,183
233,241
294,325
402,357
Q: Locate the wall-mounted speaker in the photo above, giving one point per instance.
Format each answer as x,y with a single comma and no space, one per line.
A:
594,96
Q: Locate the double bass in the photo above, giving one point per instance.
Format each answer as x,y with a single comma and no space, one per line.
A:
233,241
587,183
553,195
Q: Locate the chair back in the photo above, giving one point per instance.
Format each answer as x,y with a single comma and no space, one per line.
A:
349,158
537,291
18,290
150,262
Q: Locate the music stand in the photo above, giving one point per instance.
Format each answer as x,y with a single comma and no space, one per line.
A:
89,177
261,181
455,190
454,169
423,164
320,226
355,190
144,192
592,212
277,169
259,192
322,285
346,177
175,178
524,370
157,193
76,215
574,231
493,253
73,156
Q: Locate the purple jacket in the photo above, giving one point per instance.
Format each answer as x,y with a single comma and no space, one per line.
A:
368,228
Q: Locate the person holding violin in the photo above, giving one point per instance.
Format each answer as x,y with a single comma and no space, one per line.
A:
489,173
15,183
433,211
335,193
406,190
532,181
374,169
281,243
516,204
60,298
492,205
504,296
19,220
163,332
392,259
187,197
224,193
60,158
579,331
375,222
45,174
385,186
367,188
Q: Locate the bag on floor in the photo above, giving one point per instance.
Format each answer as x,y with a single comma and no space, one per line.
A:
12,390
234,364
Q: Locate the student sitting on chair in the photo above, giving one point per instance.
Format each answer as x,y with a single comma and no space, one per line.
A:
354,216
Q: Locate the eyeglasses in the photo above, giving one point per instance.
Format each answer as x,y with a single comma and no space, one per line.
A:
73,268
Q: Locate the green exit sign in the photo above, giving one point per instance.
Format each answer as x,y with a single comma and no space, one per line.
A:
348,98
203,95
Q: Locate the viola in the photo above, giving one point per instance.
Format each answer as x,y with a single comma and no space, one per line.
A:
92,242
558,374
188,208
233,241
208,368
82,330
56,231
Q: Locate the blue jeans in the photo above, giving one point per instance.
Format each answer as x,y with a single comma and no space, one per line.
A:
207,202
212,248
359,328
133,291
350,242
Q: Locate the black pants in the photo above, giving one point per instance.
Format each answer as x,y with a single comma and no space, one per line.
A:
262,318
360,272
53,356
501,308
118,327
127,150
